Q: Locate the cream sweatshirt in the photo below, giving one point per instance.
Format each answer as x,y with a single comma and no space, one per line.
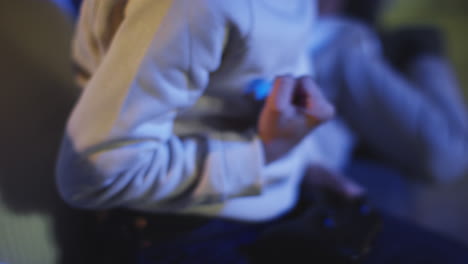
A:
158,126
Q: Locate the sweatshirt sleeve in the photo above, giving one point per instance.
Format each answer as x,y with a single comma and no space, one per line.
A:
401,120
119,148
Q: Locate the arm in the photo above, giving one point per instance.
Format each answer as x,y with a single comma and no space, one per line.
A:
400,120
119,149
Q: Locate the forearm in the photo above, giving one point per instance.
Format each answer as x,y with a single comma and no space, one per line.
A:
154,175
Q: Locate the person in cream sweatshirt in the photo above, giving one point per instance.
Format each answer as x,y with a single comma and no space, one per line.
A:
157,126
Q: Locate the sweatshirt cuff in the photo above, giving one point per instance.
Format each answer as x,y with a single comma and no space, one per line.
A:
239,164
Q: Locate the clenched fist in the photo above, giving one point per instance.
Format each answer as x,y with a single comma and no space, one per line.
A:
294,108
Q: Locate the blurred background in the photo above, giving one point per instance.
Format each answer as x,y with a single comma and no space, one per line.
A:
37,94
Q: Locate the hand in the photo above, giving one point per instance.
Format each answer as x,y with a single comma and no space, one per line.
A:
292,110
